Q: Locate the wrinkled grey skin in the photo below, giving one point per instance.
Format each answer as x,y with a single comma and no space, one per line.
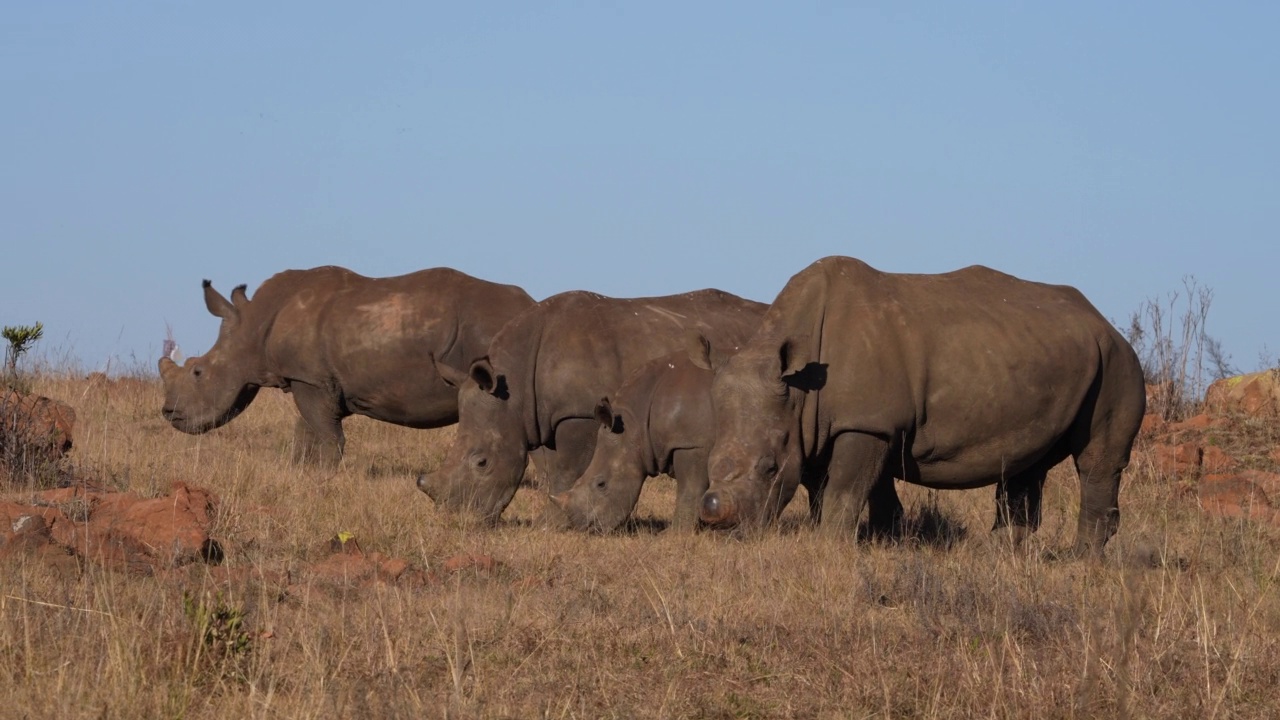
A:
342,344
661,421
960,380
545,372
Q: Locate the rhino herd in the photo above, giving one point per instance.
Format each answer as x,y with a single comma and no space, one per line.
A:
850,379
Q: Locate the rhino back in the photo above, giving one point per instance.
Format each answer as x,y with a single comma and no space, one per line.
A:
371,339
981,371
571,349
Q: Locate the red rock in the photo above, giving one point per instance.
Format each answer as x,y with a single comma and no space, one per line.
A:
348,566
1152,424
173,529
39,423
1199,422
1171,460
1252,394
344,570
393,568
1215,460
484,563
1268,482
124,531
1233,496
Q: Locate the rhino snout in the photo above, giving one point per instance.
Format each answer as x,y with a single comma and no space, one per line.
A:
718,509
425,485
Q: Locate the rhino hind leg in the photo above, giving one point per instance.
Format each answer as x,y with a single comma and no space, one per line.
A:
1101,441
317,437
1018,502
1099,469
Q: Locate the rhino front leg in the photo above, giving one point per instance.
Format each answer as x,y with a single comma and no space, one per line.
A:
689,467
575,443
318,436
858,463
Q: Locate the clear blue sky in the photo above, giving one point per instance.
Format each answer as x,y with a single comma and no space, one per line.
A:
638,150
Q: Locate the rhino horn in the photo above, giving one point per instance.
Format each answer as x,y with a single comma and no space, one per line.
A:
560,500
218,305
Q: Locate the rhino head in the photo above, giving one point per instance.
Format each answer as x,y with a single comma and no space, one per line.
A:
209,391
757,459
609,488
483,468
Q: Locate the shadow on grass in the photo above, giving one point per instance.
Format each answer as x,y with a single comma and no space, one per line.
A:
929,527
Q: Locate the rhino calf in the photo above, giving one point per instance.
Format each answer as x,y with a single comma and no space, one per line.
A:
959,380
661,421
343,344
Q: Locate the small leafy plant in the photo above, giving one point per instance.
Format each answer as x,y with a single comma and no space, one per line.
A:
21,338
218,625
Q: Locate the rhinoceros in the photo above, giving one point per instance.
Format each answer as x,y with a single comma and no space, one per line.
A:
543,375
342,344
958,380
660,421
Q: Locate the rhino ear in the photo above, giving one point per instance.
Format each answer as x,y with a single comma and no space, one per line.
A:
449,373
238,296
607,418
791,357
218,305
699,349
798,369
487,379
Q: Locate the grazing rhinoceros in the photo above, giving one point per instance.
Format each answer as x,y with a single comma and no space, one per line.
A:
545,372
959,380
342,344
661,421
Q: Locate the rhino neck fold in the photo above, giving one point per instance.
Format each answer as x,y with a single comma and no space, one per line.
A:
263,320
812,435
655,464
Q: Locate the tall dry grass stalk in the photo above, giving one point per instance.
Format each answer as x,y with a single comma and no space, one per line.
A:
1178,355
1181,621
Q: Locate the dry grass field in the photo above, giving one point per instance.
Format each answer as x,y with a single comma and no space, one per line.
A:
1182,620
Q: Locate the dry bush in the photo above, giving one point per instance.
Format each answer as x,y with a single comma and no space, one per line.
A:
1179,357
950,622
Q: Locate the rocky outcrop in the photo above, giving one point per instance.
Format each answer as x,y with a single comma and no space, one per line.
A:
119,530
1252,394
33,429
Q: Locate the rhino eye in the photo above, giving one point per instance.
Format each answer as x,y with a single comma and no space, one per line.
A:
197,371
481,462
767,466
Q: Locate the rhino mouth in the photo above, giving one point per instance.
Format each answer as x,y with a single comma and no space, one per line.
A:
192,426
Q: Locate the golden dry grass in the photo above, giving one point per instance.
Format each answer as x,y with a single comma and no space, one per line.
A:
646,624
